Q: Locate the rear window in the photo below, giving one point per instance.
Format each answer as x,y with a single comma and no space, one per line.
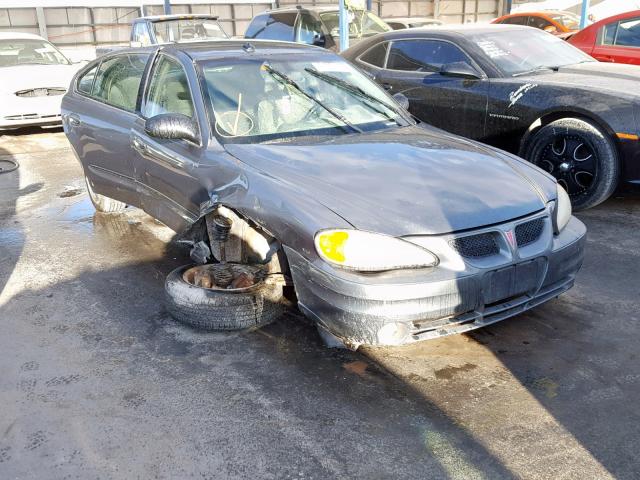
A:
276,26
117,80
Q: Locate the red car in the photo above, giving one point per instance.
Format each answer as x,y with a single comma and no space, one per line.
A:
614,39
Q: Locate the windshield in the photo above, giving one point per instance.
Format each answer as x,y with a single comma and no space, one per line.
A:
361,23
187,30
253,100
29,52
518,51
571,22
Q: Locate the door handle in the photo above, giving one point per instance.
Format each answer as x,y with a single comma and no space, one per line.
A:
387,86
73,120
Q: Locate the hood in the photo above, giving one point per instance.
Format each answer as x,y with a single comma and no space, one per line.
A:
23,77
408,181
614,78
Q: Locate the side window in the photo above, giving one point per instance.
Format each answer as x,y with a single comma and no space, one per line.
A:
627,33
609,35
376,55
515,21
118,80
308,29
169,90
279,26
423,55
140,34
85,82
539,22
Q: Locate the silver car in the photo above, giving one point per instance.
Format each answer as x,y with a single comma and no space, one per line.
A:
390,231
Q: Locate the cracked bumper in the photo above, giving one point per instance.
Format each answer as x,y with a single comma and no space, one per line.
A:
402,307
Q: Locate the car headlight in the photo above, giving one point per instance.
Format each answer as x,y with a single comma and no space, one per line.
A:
562,210
370,252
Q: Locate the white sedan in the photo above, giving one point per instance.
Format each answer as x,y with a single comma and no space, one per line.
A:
35,75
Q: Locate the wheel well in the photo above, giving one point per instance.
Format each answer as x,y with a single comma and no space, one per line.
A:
553,116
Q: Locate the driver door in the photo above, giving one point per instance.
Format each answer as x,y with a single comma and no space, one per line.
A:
165,168
457,105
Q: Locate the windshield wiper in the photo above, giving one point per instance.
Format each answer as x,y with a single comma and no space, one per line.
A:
357,91
284,78
540,68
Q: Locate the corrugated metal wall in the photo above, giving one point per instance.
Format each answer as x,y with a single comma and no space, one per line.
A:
449,11
92,26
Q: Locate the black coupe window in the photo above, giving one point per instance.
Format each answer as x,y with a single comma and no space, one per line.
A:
423,55
515,52
118,80
376,55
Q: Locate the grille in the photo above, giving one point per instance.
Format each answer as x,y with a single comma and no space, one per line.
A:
41,92
29,116
475,246
529,232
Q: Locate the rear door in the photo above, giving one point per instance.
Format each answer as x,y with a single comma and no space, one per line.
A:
99,120
457,105
165,168
619,42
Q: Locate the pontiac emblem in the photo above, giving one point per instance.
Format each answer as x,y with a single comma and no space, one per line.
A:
511,239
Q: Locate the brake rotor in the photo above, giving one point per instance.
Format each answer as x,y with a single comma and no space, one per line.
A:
224,276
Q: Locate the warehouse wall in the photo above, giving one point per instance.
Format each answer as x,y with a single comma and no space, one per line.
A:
88,27
449,11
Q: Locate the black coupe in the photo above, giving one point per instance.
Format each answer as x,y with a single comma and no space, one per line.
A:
522,90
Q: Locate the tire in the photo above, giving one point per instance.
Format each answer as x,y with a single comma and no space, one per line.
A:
580,156
211,309
103,204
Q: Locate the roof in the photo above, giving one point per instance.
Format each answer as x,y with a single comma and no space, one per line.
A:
19,35
189,16
208,50
459,29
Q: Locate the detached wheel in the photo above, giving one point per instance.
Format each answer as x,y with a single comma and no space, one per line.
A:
101,203
580,156
193,298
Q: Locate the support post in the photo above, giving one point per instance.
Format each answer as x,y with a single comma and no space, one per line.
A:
585,14
167,7
42,23
344,26
369,5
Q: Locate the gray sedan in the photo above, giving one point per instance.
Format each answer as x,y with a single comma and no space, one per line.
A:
390,231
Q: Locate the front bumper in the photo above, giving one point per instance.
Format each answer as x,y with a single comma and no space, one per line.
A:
459,295
19,112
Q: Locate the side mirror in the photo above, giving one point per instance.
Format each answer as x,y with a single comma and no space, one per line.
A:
173,126
135,44
319,40
550,29
460,70
402,100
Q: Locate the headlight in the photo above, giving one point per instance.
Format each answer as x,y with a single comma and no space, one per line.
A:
370,252
562,210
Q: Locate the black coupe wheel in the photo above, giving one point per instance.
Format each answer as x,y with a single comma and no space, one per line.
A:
580,156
